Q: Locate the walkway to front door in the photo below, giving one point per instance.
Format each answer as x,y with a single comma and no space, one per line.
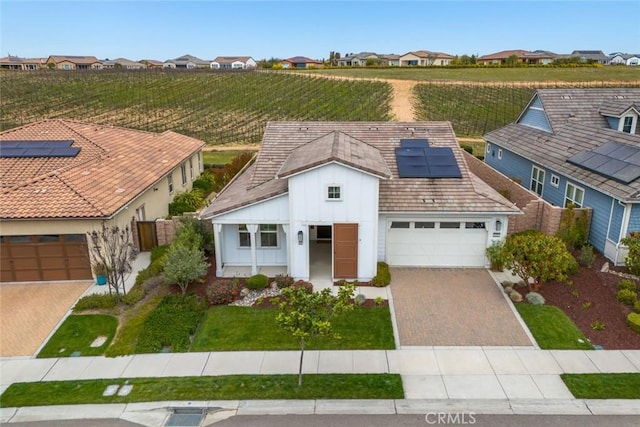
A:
452,307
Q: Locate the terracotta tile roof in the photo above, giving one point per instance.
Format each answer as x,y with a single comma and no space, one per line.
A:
335,147
429,54
114,166
74,59
504,54
281,139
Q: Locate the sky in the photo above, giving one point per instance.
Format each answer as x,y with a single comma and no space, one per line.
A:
161,30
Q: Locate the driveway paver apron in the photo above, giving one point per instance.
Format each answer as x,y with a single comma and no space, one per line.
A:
453,307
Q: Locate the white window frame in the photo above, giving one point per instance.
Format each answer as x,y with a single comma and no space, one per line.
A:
200,166
328,193
141,214
499,153
191,169
170,183
572,198
242,229
623,119
273,232
555,181
183,171
488,149
535,179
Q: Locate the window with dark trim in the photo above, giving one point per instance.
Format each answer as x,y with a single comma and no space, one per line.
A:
334,192
449,225
401,224
427,224
475,225
268,235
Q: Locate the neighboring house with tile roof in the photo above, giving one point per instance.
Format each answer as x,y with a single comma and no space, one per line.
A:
152,63
187,61
300,62
423,58
579,146
538,57
61,178
359,59
17,63
361,191
233,63
123,63
71,62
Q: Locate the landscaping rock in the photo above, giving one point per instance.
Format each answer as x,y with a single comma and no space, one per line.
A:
515,296
251,297
244,292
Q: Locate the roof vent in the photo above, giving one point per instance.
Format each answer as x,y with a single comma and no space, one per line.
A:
566,96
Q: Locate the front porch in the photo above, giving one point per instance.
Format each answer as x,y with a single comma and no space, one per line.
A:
245,271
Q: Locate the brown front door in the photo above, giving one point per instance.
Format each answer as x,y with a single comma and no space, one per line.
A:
147,235
345,251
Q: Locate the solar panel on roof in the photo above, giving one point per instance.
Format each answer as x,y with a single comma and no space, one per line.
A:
613,160
18,149
425,162
414,143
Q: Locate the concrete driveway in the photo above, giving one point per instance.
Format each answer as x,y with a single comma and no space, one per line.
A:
453,307
30,311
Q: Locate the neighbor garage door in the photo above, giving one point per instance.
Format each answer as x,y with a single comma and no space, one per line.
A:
436,243
43,258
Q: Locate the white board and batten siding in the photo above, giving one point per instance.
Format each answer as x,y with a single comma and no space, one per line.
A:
272,211
310,206
437,241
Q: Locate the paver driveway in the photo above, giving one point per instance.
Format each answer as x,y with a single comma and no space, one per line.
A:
30,311
452,307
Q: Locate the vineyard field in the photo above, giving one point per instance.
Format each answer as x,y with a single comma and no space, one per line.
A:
473,109
217,107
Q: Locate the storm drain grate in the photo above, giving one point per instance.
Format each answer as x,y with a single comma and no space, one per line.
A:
185,417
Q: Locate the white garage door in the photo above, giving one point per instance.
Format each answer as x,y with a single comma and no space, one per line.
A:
436,244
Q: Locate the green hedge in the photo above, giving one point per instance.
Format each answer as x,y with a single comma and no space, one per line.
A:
383,275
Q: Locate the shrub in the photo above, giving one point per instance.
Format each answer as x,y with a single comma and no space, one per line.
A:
467,148
204,183
171,324
574,229
184,265
223,291
627,297
636,306
597,326
633,320
257,282
507,284
515,296
586,305
508,290
186,202
627,284
158,252
383,275
632,260
95,302
586,257
283,281
360,299
378,301
496,256
535,298
303,284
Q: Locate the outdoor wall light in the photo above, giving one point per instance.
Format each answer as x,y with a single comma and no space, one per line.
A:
498,225
300,237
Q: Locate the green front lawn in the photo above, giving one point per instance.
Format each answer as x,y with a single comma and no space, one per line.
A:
221,157
228,328
603,386
551,328
76,334
231,387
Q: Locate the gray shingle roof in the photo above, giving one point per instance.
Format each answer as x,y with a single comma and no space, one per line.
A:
578,125
583,105
288,146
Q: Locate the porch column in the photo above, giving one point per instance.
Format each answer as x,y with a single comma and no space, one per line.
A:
252,229
217,233
285,229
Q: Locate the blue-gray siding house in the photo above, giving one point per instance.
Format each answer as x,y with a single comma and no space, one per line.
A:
579,146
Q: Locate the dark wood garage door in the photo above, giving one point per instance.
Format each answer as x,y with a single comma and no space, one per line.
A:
44,257
345,251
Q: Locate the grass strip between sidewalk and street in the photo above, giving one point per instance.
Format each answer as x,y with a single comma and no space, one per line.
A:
603,386
551,328
230,387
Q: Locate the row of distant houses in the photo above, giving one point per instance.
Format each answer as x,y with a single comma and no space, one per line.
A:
71,62
419,58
